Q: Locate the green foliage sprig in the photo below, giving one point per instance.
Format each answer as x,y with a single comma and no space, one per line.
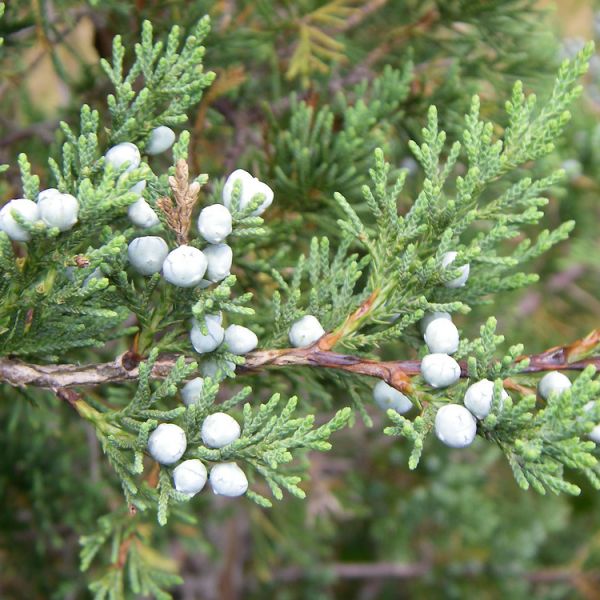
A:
345,243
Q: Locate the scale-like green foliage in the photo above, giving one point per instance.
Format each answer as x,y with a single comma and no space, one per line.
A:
172,81
350,239
318,152
406,250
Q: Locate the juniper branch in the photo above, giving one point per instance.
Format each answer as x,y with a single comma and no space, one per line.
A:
396,373
397,570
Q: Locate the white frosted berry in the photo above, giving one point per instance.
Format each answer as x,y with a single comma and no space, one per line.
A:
440,370
167,443
47,193
215,223
553,382
227,479
240,340
95,275
479,396
209,368
27,209
125,152
388,397
190,477
410,164
212,339
261,188
218,317
594,434
220,258
58,210
250,187
139,187
185,266
161,139
219,429
431,316
245,179
305,331
147,254
572,167
441,336
447,260
455,426
192,390
140,213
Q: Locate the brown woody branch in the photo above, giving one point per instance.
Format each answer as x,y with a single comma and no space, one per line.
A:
360,14
60,378
392,570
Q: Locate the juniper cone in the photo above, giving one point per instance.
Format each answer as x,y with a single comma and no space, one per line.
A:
479,398
57,210
432,316
142,214
236,253
27,210
190,476
388,397
441,335
139,187
160,140
192,391
208,335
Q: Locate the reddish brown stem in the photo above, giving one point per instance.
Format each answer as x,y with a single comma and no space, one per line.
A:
391,570
396,373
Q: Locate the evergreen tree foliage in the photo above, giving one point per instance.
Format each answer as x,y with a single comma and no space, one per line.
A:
392,135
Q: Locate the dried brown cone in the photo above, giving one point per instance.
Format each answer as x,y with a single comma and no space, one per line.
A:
179,214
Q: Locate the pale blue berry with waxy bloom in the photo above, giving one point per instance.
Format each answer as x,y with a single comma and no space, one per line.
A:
553,382
167,443
227,479
215,223
305,331
388,397
441,336
189,477
461,280
220,259
219,429
212,339
147,254
126,152
440,370
479,397
240,340
161,139
27,209
455,426
192,391
250,187
185,266
140,213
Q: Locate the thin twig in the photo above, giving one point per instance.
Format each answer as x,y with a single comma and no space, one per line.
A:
399,37
360,14
392,570
61,377
361,571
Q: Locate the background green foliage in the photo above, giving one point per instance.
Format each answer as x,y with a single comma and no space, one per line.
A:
304,93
